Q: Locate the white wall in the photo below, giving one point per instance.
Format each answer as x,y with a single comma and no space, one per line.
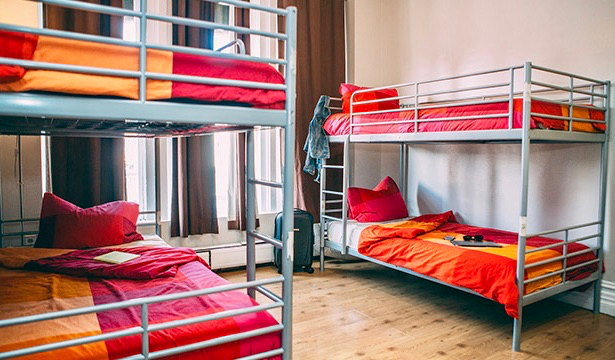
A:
393,41
19,12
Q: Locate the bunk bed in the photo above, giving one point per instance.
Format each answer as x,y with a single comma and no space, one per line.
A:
519,104
61,83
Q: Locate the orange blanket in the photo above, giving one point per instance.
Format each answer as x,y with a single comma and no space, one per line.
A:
418,244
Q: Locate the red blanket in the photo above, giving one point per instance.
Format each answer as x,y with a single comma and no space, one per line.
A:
151,263
339,123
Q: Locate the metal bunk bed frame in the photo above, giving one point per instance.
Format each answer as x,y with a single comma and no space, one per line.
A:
593,91
104,117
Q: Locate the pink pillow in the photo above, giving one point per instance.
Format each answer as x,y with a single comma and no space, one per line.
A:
381,204
67,226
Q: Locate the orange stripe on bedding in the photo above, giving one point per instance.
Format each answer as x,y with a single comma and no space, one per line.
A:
24,293
510,251
74,52
583,113
16,258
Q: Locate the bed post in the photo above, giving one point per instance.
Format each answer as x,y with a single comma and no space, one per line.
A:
288,182
603,187
525,154
250,213
1,212
323,206
345,183
403,171
157,174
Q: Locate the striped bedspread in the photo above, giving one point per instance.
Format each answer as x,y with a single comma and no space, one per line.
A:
26,292
418,244
84,53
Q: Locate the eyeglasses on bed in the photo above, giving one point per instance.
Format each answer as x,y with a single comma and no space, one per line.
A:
477,238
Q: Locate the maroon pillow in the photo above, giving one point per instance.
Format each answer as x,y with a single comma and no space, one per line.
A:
65,225
382,203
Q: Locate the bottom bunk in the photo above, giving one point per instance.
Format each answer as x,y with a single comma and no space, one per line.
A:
433,246
485,263
162,302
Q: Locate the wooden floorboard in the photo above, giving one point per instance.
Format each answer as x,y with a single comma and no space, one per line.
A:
360,310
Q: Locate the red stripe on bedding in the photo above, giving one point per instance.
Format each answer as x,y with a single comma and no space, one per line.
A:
231,69
15,46
191,276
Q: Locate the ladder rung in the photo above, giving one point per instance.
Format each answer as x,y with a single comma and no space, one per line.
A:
265,183
333,211
333,201
275,242
333,192
330,218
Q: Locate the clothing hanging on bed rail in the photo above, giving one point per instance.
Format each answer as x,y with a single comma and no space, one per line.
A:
317,145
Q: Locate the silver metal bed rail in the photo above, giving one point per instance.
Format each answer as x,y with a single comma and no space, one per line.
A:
147,328
564,244
578,89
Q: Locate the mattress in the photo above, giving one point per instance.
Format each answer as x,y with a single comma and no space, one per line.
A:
339,123
36,281
83,53
353,229
419,245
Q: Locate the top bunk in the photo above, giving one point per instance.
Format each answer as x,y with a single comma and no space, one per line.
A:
501,105
55,82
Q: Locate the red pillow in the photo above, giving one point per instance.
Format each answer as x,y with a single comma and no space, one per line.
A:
346,90
381,204
65,225
16,46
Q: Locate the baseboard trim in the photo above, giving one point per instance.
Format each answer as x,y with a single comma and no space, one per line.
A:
585,299
607,298
234,255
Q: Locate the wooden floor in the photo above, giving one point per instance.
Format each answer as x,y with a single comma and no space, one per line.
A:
365,311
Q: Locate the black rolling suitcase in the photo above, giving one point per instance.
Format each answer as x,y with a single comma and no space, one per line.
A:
304,241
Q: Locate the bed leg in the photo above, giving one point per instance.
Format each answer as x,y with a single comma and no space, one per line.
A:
322,245
516,342
597,291
322,259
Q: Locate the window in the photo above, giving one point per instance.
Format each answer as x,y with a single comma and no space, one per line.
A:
266,143
140,156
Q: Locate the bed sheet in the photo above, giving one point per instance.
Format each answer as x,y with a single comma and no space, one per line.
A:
84,53
25,292
418,244
353,231
339,123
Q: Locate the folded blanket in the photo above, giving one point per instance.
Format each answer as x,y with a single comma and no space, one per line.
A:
152,262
